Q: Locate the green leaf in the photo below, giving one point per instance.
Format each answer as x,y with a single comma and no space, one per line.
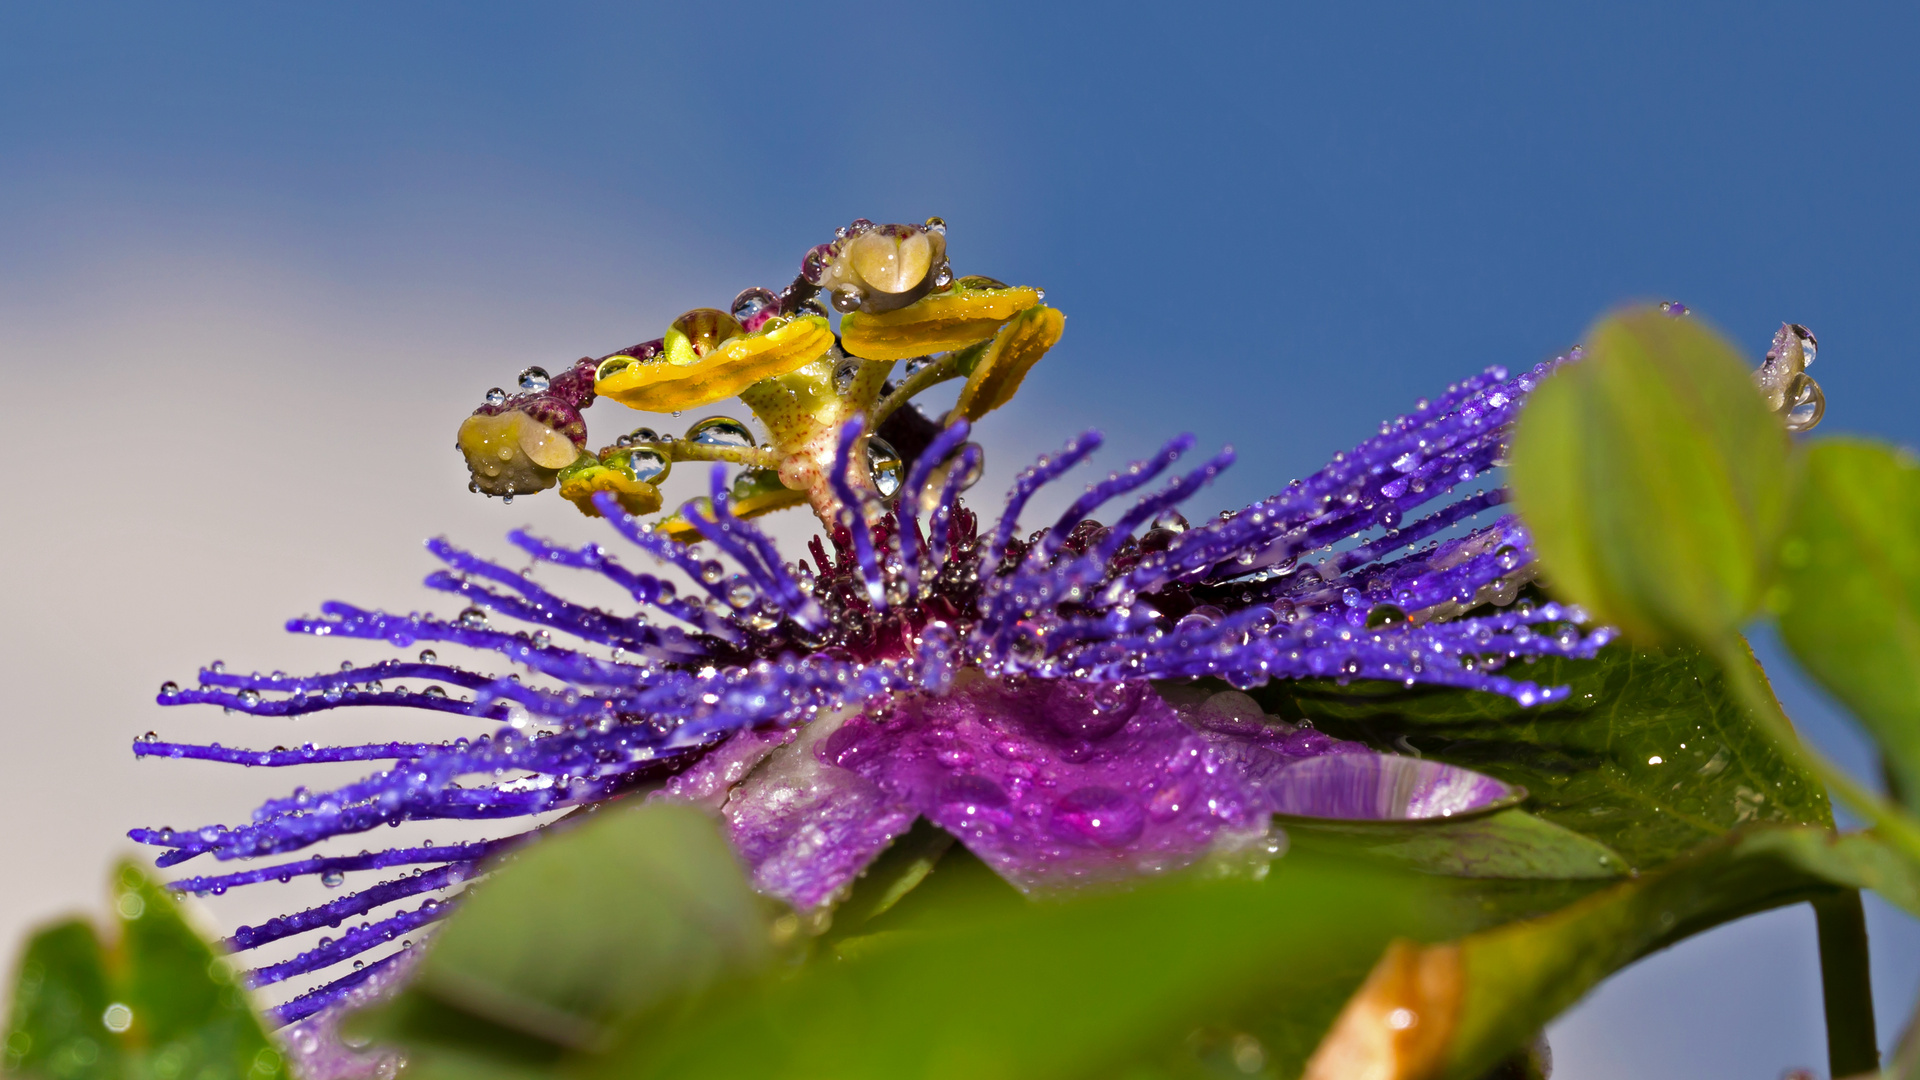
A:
1654,480
1087,987
1511,844
163,1003
632,913
1858,860
60,994
1650,754
1849,594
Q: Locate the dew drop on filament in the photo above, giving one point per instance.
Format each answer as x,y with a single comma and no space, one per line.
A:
884,464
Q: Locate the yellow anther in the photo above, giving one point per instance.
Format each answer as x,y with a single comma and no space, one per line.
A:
759,491
725,369
958,317
755,492
635,496
1019,345
511,453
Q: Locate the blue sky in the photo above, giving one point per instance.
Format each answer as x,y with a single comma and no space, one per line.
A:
245,230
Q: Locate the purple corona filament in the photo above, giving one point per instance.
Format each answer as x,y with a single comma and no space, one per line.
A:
1337,576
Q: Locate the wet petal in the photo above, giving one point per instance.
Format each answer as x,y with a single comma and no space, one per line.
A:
1384,787
1056,784
806,829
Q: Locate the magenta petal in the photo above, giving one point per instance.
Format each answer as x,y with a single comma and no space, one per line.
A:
1382,787
1056,783
806,829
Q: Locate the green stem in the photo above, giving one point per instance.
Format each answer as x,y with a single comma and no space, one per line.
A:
936,371
751,456
1852,1046
1888,822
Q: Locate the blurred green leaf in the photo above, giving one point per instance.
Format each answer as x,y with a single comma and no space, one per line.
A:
1511,844
1650,754
1849,594
1087,987
60,994
1654,480
162,1004
635,911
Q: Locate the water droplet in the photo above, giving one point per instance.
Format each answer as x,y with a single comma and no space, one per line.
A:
1385,615
332,879
1249,1056
972,475
646,465
973,798
720,431
433,692
884,463
740,593
249,698
169,688
151,736
428,656
473,618
711,571
534,379
844,373
1098,816
641,435
1808,403
612,365
1091,712
755,306
496,396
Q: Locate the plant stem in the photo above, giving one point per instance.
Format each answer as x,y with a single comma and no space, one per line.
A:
751,456
936,371
1892,826
1852,1046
